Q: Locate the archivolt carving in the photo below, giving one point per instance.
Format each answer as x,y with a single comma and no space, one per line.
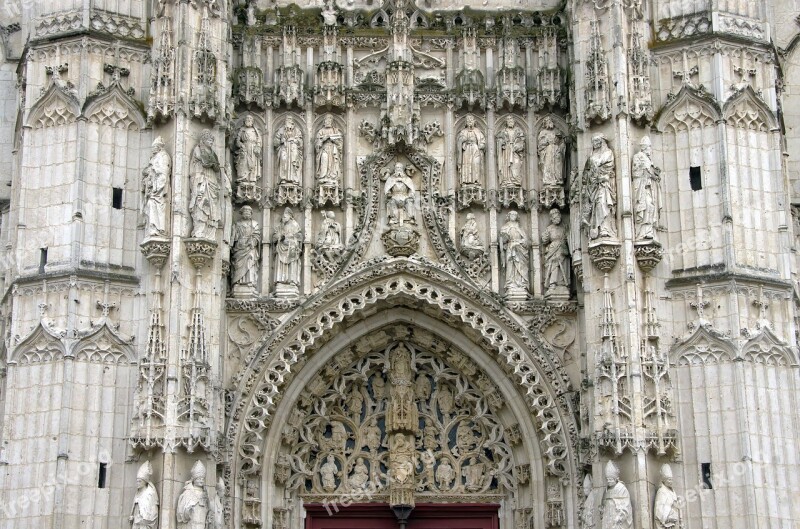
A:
335,442
540,374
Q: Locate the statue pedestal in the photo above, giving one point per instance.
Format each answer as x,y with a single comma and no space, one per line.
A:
648,254
200,251
328,193
516,294
512,196
471,194
604,253
401,241
552,196
244,291
286,291
558,293
156,250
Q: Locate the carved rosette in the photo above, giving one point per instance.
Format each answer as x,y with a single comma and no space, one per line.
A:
648,254
604,254
200,251
156,251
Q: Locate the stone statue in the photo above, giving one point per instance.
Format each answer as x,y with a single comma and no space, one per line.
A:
616,507
144,513
666,514
248,152
360,476
474,474
328,472
588,507
445,474
219,507
246,250
372,436
329,238
400,195
556,257
401,459
601,190
204,181
155,188
646,192
192,512
471,243
288,248
471,144
289,142
514,256
329,153
510,154
550,146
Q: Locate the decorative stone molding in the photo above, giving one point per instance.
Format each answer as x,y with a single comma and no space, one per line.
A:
604,254
648,254
200,251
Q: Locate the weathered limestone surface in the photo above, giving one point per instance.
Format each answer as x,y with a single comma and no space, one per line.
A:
538,254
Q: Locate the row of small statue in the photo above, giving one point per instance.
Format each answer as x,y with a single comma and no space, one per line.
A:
616,509
194,511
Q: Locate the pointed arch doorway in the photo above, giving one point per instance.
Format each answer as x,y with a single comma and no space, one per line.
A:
381,516
310,426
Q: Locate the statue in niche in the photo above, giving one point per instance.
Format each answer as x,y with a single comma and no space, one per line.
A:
510,154
471,243
444,399
248,152
474,474
514,255
219,509
355,401
588,507
400,195
192,512
378,388
204,179
429,435
328,473
289,142
144,513
551,147
329,238
616,508
246,250
360,477
465,437
471,146
556,257
288,248
401,459
445,474
339,436
155,190
666,512
329,153
402,412
372,436
601,190
646,192
422,388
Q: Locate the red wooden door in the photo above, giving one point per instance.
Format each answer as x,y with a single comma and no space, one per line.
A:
424,516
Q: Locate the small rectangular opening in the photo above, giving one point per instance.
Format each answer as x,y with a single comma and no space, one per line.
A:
705,471
101,476
42,259
116,197
695,178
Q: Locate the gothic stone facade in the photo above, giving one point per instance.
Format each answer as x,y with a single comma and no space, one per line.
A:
541,255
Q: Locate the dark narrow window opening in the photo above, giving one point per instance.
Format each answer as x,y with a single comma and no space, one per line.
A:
705,471
101,476
42,259
695,178
116,197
